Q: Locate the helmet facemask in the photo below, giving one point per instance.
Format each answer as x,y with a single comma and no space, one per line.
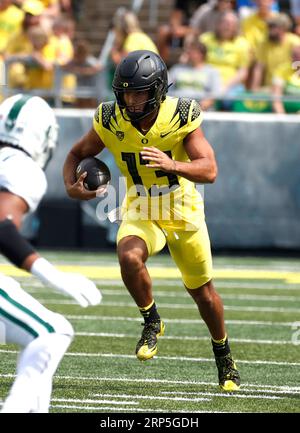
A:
156,95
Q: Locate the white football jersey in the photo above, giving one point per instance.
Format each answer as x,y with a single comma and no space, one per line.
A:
28,123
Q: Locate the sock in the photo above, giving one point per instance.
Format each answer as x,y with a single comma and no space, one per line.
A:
150,313
221,347
45,272
31,390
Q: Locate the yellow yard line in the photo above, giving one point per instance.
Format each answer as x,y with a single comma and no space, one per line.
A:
113,272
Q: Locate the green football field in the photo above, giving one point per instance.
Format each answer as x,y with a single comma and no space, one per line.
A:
100,372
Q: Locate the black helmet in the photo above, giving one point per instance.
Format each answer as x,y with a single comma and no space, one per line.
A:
145,71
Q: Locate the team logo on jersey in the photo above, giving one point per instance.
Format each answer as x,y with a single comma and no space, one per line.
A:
145,140
120,135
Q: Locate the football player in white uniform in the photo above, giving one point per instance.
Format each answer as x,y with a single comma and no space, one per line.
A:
28,136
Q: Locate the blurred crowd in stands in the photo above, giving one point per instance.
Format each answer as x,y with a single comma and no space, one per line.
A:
232,55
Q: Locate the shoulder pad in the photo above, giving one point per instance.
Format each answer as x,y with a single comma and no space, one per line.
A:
108,112
183,108
196,111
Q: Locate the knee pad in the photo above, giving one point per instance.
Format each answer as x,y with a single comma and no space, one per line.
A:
12,244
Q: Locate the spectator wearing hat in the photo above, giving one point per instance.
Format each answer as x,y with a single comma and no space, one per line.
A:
274,51
47,9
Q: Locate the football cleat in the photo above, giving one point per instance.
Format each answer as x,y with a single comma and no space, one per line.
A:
147,345
229,377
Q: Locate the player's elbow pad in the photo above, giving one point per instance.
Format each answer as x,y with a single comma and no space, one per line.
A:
12,244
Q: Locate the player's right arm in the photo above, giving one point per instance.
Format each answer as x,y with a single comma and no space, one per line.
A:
89,145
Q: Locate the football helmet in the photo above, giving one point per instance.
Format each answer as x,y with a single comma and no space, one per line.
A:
141,70
28,123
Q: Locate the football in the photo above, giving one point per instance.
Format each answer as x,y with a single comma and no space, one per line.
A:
98,173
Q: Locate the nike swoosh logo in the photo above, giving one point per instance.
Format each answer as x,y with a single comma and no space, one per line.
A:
164,134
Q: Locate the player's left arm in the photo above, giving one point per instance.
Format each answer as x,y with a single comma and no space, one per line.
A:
202,167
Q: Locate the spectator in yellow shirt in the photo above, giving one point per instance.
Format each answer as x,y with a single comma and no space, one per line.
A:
286,82
11,18
129,36
20,43
40,71
274,51
254,27
63,32
39,63
228,52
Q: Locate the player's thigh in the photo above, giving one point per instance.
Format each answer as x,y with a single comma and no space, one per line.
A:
23,318
21,176
192,255
146,230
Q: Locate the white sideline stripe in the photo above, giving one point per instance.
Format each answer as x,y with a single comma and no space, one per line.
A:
130,409
260,387
188,321
181,337
262,390
168,358
74,400
217,394
219,283
133,397
184,295
177,306
35,287
224,296
125,409
257,286
198,321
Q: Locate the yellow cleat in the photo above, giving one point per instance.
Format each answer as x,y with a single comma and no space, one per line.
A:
147,345
229,377
229,386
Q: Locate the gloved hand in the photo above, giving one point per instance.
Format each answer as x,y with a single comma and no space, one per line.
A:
83,290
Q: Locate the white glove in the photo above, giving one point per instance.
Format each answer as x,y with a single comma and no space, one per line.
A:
83,290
